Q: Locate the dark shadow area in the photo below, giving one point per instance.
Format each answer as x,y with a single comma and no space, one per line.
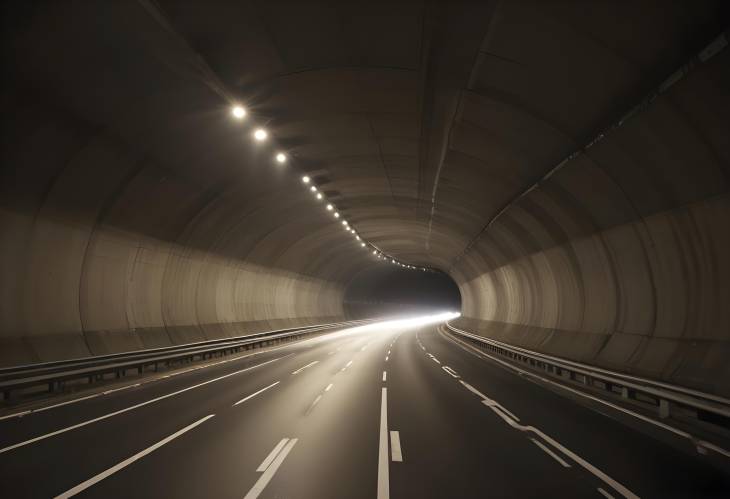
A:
386,291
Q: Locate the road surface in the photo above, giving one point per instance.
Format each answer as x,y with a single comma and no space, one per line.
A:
389,410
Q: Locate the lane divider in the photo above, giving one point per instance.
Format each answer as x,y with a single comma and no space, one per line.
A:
383,472
604,493
551,453
315,402
385,376
450,371
255,393
156,378
701,445
272,455
304,367
104,474
484,397
270,465
395,450
130,408
512,420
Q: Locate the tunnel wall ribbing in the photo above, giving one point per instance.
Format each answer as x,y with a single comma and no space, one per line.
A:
620,258
103,250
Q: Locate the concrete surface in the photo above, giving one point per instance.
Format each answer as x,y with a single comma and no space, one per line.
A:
135,212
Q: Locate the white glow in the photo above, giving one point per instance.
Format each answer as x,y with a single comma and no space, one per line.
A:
330,207
375,252
306,179
281,157
353,231
260,134
313,189
362,244
238,112
357,237
319,195
344,222
386,327
337,215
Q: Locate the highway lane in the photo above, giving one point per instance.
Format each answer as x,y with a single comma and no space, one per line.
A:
639,460
307,420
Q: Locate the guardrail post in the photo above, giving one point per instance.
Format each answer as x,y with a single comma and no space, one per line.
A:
625,392
663,408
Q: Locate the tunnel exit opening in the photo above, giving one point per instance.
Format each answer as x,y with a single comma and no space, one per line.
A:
393,291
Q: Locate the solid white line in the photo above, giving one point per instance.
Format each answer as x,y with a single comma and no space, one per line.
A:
604,493
551,453
256,393
304,367
114,390
435,360
130,408
696,441
585,464
316,400
101,476
328,387
349,364
450,371
264,480
23,413
385,375
272,455
395,450
473,390
486,400
152,380
383,478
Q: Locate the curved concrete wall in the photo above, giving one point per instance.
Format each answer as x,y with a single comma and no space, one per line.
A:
135,211
104,252
620,258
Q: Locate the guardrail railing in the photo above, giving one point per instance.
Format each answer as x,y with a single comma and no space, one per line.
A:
667,400
54,375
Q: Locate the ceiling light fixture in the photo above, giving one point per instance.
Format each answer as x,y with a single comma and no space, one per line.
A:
238,112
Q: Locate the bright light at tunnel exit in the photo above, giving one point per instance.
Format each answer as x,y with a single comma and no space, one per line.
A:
400,323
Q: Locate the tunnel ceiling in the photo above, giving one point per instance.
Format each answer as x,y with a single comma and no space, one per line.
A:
420,121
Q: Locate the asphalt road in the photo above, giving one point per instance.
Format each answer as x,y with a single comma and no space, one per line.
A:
375,412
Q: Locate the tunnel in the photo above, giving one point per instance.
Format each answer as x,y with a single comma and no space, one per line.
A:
181,172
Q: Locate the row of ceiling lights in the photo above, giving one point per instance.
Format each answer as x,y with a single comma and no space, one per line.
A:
260,135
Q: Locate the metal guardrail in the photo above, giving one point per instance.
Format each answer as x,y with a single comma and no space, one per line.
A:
666,399
55,374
